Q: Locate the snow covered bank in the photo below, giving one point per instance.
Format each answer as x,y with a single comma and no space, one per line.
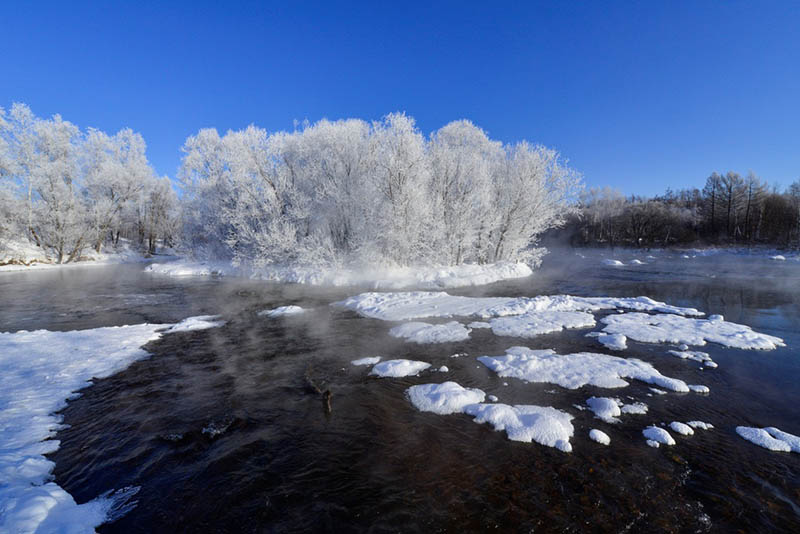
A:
39,372
572,371
378,278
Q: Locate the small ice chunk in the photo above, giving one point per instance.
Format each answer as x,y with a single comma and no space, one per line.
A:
599,436
444,369
700,424
770,438
637,408
418,332
659,435
282,310
698,388
613,263
605,408
199,322
545,425
610,341
398,368
492,398
443,399
681,428
479,324
658,391
371,360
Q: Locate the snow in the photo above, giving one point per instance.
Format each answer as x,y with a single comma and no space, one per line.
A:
431,333
371,360
544,425
652,443
658,435
479,324
699,388
443,399
610,341
282,310
575,370
658,391
377,277
681,428
404,306
532,324
398,368
671,328
39,371
637,408
599,436
695,355
605,408
613,263
492,398
778,257
700,424
770,438
636,262
200,322
22,255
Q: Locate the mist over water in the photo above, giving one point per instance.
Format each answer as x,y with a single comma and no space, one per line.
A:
223,433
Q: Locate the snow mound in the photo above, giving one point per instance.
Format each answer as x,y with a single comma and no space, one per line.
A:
431,333
443,399
658,435
376,277
599,436
613,263
544,425
199,322
370,360
444,369
694,355
39,371
636,262
700,424
697,388
778,258
282,310
608,409
670,328
575,370
398,368
681,428
404,306
770,438
610,341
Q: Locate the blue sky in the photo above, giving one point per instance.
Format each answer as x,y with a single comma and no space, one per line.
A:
640,96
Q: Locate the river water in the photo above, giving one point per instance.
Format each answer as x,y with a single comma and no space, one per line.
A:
222,432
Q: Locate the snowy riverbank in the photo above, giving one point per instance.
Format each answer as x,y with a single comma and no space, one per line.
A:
375,277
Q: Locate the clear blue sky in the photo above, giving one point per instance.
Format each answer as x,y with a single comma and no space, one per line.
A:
638,95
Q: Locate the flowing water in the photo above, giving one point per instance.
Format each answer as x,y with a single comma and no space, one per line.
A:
224,430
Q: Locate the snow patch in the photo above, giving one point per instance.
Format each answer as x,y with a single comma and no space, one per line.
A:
694,355
700,424
282,310
599,436
770,438
544,425
398,368
681,428
431,333
199,322
613,263
370,360
575,370
532,324
696,388
443,399
658,435
610,341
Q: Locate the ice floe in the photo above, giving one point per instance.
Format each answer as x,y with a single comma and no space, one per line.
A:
404,306
532,324
39,371
671,328
199,322
398,368
417,332
681,428
282,310
542,424
610,341
658,436
371,360
443,399
575,370
695,355
770,438
599,436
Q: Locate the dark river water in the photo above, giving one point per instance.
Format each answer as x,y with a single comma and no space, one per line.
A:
222,432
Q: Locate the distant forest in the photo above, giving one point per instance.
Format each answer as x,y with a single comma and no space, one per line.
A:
729,210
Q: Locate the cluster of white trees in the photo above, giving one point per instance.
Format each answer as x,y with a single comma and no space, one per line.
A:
352,191
66,190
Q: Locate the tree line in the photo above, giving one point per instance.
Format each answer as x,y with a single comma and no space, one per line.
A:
730,209
67,190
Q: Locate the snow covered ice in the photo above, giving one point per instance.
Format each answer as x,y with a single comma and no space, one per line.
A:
418,332
398,368
610,341
371,360
39,371
542,424
658,436
770,438
282,310
681,428
599,436
695,355
609,409
575,370
443,399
